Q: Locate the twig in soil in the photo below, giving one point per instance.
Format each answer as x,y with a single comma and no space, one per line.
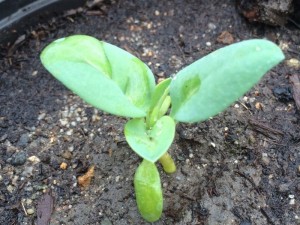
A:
23,207
17,44
242,104
187,197
250,180
94,13
294,22
296,89
180,49
270,221
275,143
293,51
265,129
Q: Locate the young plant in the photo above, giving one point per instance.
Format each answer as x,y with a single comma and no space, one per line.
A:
117,82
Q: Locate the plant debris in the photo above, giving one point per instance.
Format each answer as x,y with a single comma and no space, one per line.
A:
296,89
225,38
85,180
45,208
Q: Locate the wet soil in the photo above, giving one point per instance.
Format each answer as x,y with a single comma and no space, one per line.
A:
240,167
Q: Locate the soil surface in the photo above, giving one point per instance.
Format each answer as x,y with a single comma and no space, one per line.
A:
240,167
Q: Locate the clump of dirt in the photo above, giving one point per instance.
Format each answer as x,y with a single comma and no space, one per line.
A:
240,167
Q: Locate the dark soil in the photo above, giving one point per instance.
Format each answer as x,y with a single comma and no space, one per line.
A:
241,167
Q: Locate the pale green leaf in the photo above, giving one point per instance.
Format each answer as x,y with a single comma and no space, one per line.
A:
211,84
104,75
148,191
153,143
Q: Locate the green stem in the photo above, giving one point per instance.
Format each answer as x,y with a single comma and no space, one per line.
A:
168,163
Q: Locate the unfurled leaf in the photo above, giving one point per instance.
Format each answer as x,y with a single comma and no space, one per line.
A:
211,84
104,75
148,191
152,143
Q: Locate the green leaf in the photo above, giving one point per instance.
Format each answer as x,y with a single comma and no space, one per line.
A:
153,143
159,91
211,84
159,96
148,191
165,106
102,74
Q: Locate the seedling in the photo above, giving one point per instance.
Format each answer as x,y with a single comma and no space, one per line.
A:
117,82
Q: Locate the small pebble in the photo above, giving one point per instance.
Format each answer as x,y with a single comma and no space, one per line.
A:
208,44
284,187
28,201
225,38
71,148
283,45
63,122
245,222
251,100
69,132
106,221
23,141
63,166
30,211
265,158
178,178
41,116
29,188
294,63
67,155
95,118
258,105
10,188
28,171
18,159
34,159
292,201
14,181
211,26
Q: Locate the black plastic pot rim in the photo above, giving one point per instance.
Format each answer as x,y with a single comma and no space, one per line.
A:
21,14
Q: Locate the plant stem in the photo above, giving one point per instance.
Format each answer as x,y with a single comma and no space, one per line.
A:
168,163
